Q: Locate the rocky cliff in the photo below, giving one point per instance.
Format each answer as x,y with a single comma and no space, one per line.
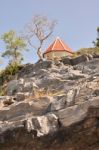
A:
51,106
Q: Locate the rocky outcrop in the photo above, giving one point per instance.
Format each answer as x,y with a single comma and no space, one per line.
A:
52,107
79,59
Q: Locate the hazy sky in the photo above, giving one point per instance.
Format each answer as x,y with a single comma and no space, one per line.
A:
77,20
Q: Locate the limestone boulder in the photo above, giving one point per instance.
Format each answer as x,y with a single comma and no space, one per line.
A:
15,111
20,96
79,59
41,105
71,115
70,97
28,87
59,102
66,61
94,102
96,92
76,74
9,126
22,108
13,87
42,125
43,65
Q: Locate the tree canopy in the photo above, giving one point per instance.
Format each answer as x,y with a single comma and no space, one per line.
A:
96,42
14,45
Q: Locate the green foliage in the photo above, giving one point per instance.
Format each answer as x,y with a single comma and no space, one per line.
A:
86,51
97,29
8,73
11,69
14,46
96,43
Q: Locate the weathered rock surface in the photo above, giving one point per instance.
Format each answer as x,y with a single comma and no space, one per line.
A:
50,107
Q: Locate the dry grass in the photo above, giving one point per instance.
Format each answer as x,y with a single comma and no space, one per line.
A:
86,51
3,90
43,93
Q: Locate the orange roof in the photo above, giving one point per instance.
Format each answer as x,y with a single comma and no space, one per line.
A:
58,45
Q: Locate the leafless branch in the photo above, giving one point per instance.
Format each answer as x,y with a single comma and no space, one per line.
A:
41,28
32,44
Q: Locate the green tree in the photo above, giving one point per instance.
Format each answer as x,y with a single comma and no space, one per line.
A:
14,47
96,43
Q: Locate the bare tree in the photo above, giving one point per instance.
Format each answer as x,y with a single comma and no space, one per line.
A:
40,28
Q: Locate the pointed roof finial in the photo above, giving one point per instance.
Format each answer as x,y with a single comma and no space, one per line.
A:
57,37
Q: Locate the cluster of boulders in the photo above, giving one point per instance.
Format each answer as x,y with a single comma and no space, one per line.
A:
46,98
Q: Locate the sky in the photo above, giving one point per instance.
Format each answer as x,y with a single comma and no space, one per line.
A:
77,21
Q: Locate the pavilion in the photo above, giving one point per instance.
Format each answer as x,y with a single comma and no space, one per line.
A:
57,49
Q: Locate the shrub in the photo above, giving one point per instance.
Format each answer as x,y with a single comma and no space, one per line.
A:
9,72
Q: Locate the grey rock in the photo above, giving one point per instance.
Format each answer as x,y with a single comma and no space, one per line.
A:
77,113
70,98
3,113
66,60
96,92
13,87
41,106
42,124
28,87
21,86
49,98
43,65
14,111
79,59
76,74
59,102
4,126
71,115
94,102
35,107
20,96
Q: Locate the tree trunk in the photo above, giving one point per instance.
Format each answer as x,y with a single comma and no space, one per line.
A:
39,53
